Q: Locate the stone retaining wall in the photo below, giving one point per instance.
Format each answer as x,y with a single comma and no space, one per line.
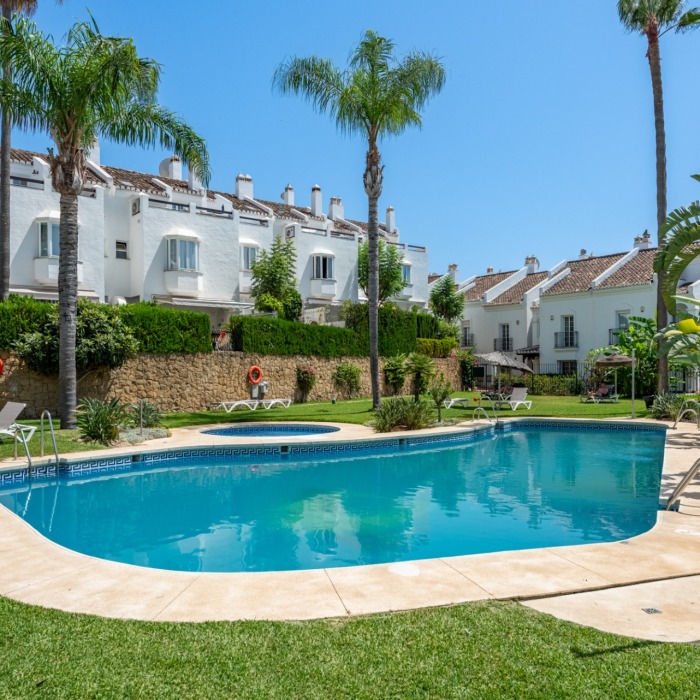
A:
187,382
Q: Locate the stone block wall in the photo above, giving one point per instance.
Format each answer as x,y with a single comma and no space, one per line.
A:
188,382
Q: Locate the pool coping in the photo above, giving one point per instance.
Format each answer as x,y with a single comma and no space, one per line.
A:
37,571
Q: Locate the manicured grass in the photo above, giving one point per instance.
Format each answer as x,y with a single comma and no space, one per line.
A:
355,411
479,650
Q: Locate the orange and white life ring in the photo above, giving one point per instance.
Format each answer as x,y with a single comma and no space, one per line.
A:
255,375
2,366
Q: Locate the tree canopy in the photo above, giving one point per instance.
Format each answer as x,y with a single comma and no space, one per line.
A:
445,301
391,280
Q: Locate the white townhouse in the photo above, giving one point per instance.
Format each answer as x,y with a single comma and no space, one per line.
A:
553,319
163,238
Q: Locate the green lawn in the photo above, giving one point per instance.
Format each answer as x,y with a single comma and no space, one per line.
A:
479,650
355,411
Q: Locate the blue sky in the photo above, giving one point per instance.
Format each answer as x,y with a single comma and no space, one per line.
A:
542,141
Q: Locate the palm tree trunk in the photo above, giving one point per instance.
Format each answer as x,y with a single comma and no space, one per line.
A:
373,180
67,309
654,56
5,164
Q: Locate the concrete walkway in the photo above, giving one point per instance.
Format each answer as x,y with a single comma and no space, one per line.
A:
607,586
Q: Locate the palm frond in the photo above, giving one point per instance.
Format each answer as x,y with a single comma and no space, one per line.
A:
313,78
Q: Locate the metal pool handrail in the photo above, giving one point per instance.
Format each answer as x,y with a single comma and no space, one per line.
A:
678,491
53,435
688,406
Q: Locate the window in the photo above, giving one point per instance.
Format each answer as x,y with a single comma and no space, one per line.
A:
568,367
504,342
248,257
323,267
406,274
121,251
49,237
183,254
623,321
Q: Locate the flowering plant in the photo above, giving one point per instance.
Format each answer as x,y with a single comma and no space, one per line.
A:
306,380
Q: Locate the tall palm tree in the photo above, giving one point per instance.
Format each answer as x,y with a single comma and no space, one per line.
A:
7,8
652,19
377,95
92,86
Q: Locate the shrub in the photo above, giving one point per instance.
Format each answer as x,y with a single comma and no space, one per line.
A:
395,372
268,304
422,369
146,414
397,328
553,385
466,369
102,340
162,330
402,412
427,326
440,390
434,347
666,406
21,315
306,380
99,421
292,305
274,336
347,379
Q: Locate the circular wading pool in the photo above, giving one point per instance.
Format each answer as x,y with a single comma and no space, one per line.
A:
271,430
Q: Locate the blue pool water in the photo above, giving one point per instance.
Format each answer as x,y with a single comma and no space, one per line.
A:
274,429
529,487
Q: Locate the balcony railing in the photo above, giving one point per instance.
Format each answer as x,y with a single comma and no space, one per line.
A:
172,206
614,335
29,182
566,339
503,344
221,213
468,340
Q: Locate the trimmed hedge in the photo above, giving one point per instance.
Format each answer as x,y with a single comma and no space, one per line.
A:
397,328
432,347
162,330
427,326
273,336
20,315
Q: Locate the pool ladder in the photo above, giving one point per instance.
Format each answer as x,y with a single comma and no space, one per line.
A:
480,409
690,407
46,414
685,481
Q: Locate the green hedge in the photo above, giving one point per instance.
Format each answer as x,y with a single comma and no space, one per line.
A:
20,315
162,330
427,326
273,336
397,328
432,347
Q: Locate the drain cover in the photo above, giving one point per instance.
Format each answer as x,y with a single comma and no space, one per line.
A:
652,611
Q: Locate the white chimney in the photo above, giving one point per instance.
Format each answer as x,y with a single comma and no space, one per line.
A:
583,255
532,264
390,220
93,154
451,269
643,241
244,186
489,270
193,180
288,195
171,167
316,201
336,210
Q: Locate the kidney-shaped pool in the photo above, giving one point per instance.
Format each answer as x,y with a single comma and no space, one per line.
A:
324,505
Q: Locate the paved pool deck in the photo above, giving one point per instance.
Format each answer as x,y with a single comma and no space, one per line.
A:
647,586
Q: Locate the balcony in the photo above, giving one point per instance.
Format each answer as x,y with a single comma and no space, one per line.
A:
323,288
46,271
183,283
503,344
406,292
468,340
614,335
566,339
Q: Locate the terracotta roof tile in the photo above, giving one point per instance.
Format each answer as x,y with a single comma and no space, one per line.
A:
132,180
583,272
20,156
242,204
484,283
514,295
282,210
639,270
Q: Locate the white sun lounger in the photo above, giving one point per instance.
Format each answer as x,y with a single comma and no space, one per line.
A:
518,398
230,406
23,433
269,403
463,401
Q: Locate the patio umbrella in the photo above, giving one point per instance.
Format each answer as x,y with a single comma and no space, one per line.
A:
500,359
616,361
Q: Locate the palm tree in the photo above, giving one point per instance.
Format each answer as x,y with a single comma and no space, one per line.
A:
377,95
93,86
652,19
8,7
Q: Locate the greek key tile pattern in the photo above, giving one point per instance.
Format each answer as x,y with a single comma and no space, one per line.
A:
586,425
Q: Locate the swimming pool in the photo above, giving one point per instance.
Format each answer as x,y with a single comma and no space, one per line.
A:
271,430
315,506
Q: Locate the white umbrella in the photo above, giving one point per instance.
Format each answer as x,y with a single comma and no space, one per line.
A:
500,359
